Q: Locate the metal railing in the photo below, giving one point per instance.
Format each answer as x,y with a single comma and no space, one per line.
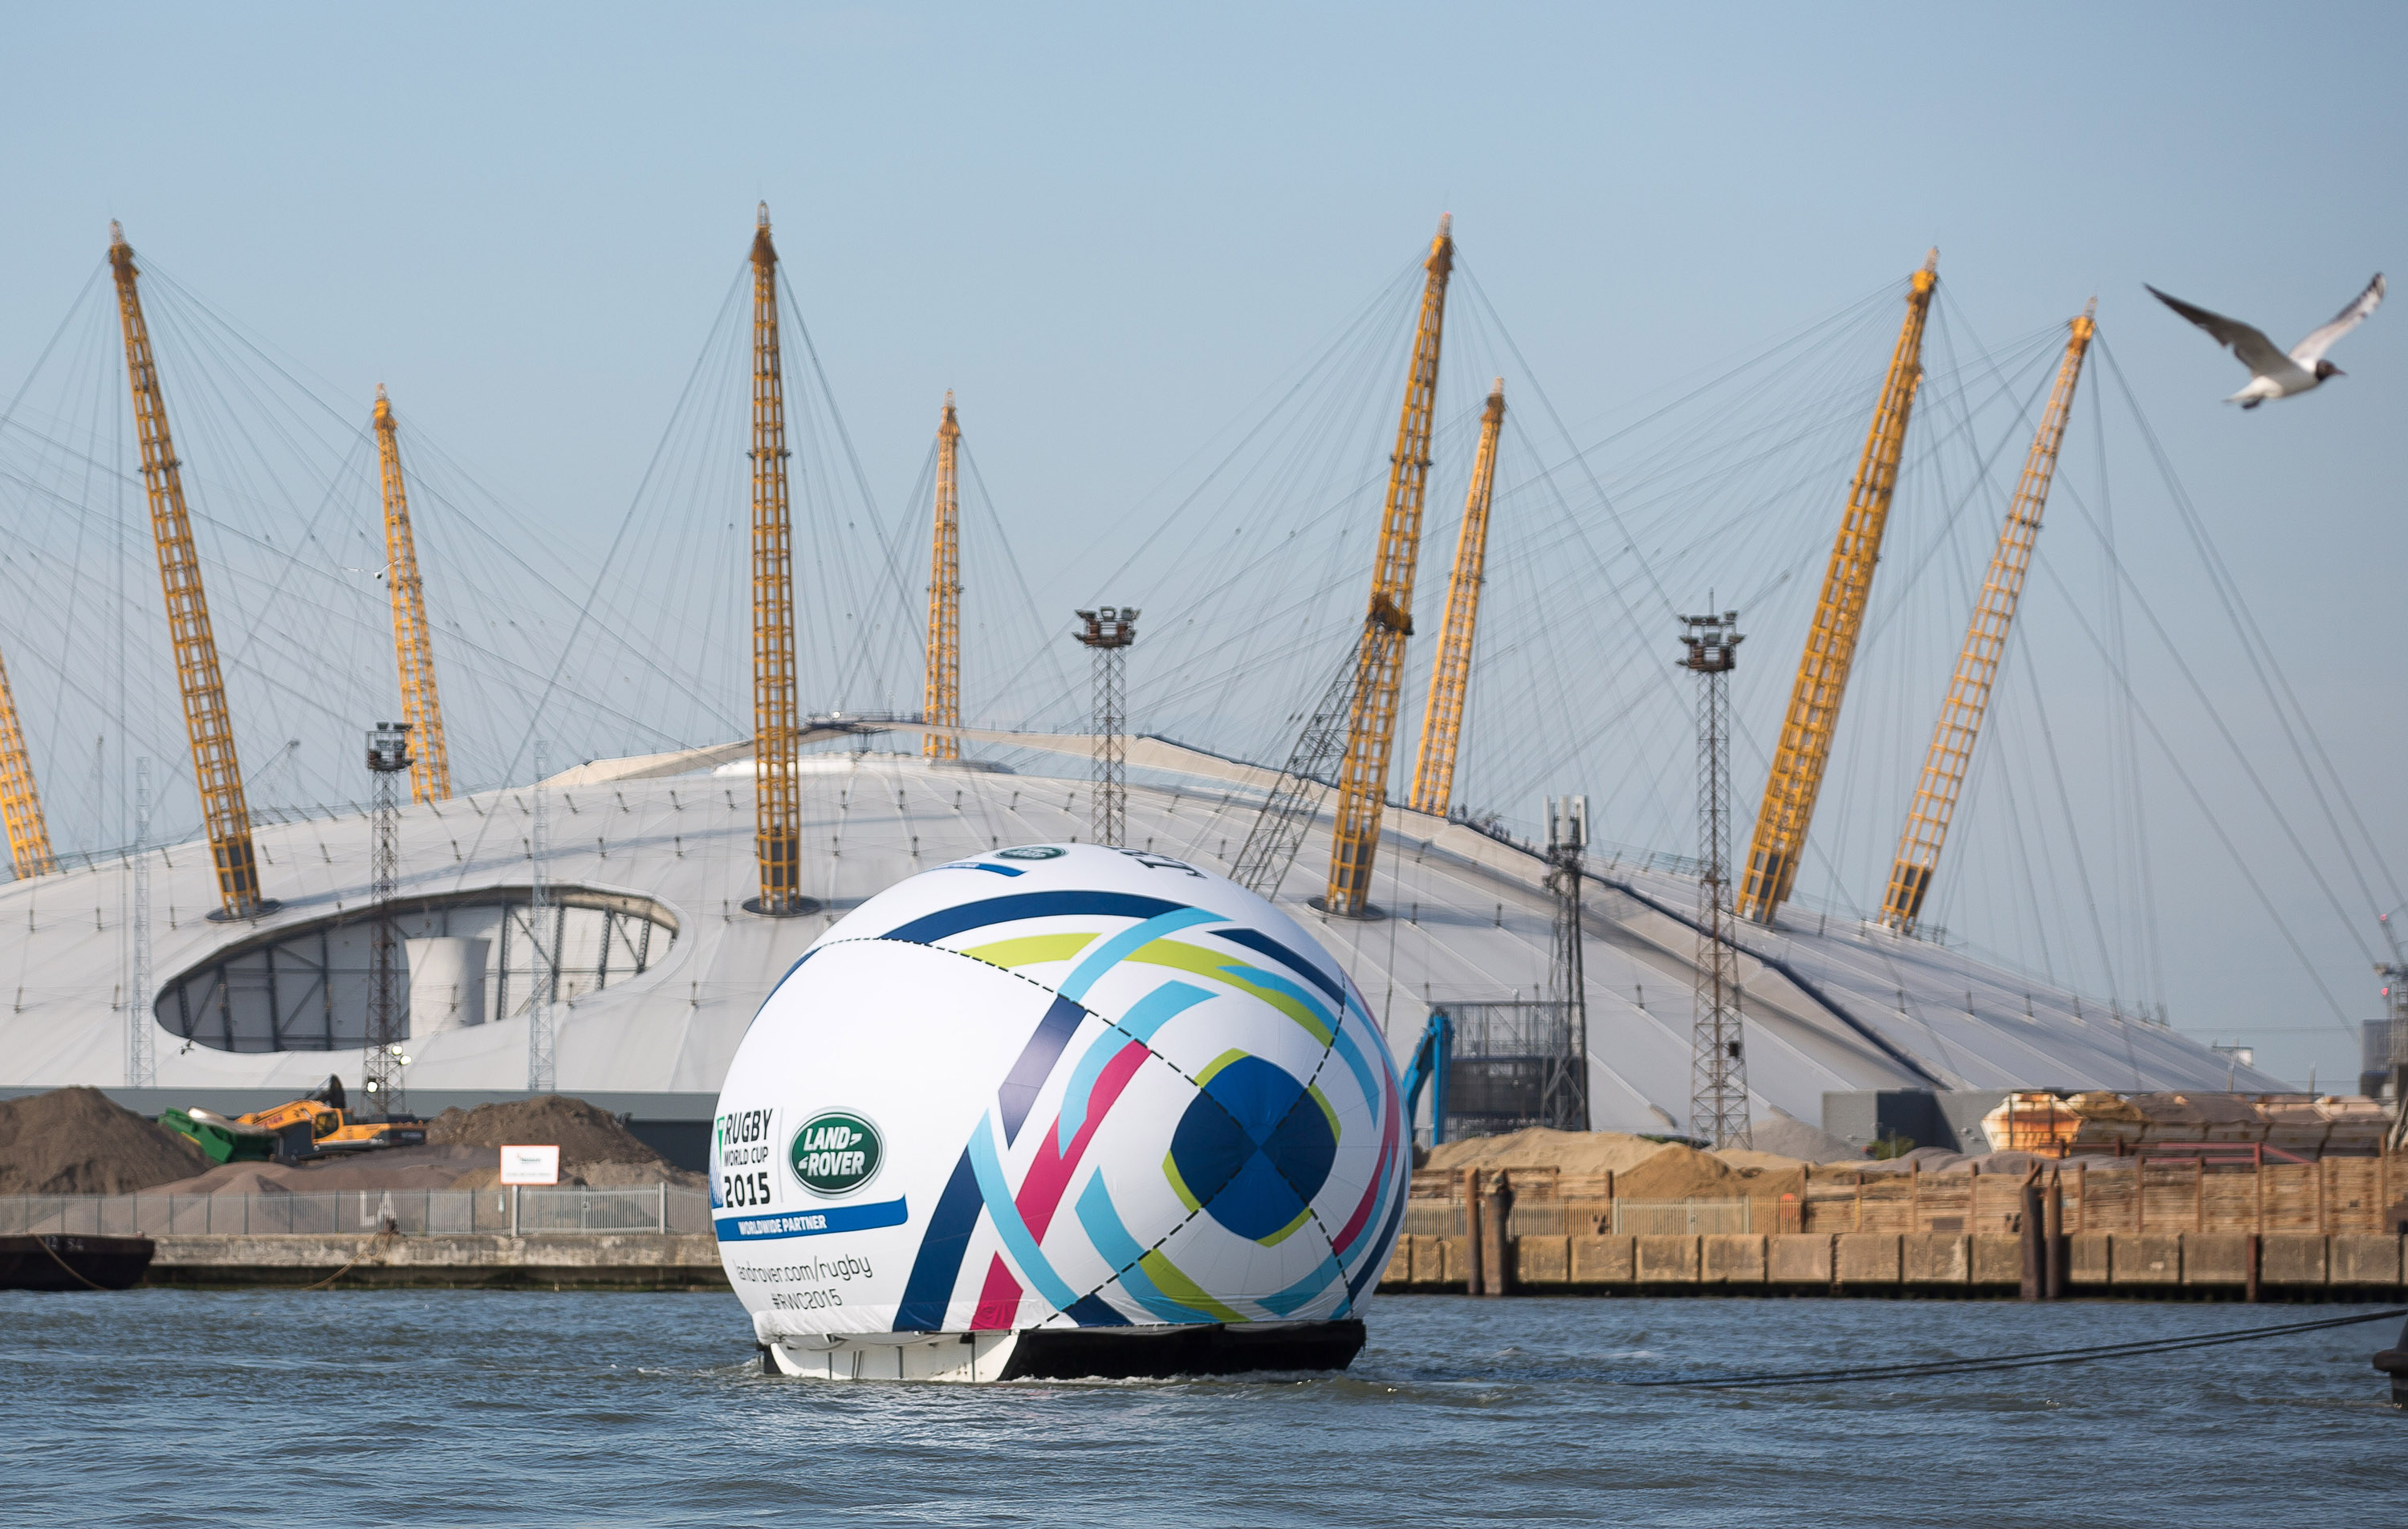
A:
511,1210
1681,1218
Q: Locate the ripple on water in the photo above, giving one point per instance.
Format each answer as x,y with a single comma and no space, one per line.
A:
156,1407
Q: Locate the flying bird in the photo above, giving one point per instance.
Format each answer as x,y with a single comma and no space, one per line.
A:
2273,373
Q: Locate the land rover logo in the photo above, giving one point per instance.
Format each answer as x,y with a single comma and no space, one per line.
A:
834,1153
1031,851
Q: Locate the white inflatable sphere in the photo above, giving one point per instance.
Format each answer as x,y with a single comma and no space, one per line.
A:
1058,1086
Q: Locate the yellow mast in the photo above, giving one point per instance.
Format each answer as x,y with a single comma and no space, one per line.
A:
1951,753
413,647
1451,670
944,700
777,808
217,776
1805,748
1372,725
21,804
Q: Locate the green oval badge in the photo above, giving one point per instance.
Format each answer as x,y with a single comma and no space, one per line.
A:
834,1153
1031,851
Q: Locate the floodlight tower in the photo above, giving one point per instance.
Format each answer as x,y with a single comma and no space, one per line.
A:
388,1015
1718,1063
1108,634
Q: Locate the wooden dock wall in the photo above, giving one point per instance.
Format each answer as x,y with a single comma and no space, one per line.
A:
2292,1266
2161,1224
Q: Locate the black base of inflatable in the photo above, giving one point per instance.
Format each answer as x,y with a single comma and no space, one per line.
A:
1146,1353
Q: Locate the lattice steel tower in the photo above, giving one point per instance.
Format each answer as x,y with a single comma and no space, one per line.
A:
414,634
943,704
776,794
217,775
1950,755
388,1009
21,804
1107,632
1564,1102
1388,620
1803,754
1451,670
1718,1060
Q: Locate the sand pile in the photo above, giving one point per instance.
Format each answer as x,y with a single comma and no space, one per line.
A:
596,1149
1572,1152
78,1141
1641,1170
1789,1136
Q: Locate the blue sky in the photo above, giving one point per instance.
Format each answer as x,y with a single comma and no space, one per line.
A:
1108,227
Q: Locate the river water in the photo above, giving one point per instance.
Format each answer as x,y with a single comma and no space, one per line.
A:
456,1407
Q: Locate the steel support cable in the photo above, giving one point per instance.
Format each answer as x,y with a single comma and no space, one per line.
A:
1317,459
1835,366
432,490
184,303
2134,1349
2198,799
907,614
1048,650
534,719
2081,864
1408,278
1305,438
2130,741
242,577
2198,691
2236,609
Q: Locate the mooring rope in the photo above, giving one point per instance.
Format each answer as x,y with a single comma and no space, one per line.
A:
44,1239
385,1238
2015,1361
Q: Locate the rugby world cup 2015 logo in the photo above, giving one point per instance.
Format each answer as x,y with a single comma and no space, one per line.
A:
834,1153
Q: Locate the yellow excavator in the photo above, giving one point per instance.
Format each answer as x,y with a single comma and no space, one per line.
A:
297,1131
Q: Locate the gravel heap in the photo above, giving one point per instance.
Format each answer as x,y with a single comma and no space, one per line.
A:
78,1141
596,1149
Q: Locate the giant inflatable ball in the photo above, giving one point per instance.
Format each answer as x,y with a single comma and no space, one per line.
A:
1077,1094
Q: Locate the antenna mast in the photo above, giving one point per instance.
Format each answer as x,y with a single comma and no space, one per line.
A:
413,646
1951,753
1451,670
1371,724
945,702
216,773
1805,748
1718,1061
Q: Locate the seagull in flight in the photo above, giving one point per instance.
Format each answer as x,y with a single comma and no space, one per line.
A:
2273,373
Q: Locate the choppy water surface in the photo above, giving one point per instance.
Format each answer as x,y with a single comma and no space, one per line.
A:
439,1407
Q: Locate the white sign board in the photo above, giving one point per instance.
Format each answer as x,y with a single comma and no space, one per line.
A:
530,1164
